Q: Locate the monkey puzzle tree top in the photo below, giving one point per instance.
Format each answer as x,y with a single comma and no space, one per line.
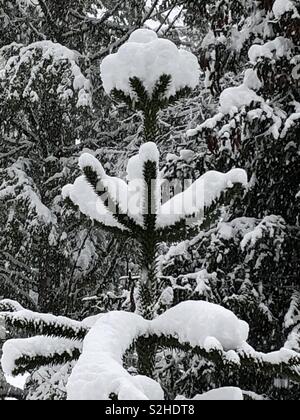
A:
147,58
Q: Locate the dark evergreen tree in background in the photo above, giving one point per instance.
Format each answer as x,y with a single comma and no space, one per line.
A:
251,264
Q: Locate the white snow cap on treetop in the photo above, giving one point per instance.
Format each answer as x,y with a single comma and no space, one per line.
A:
147,57
149,152
135,166
143,36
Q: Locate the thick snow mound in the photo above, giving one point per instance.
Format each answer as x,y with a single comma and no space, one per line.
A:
252,81
220,394
149,153
99,371
233,99
198,322
278,48
281,7
143,36
147,57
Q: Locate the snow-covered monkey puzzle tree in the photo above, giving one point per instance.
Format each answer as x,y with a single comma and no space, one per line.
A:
147,74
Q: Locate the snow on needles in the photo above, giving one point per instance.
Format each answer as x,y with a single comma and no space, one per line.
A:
147,57
149,153
28,2
280,7
127,197
220,394
16,349
10,306
233,99
100,372
278,48
37,318
130,196
199,196
197,323
82,194
58,54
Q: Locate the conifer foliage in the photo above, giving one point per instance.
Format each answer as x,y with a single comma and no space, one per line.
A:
249,264
90,354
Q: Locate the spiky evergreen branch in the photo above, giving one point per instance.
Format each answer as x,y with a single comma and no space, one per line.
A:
182,93
146,350
150,105
141,93
182,231
18,324
110,203
26,363
157,99
121,97
109,229
250,363
10,287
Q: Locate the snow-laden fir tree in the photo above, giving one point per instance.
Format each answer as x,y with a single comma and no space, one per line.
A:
152,76
251,264
43,89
